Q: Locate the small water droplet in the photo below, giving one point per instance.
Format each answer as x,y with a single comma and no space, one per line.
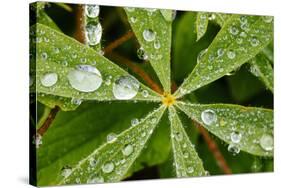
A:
108,167
178,136
133,19
96,180
142,54
148,35
212,17
108,80
266,142
93,33
92,11
111,137
235,137
85,78
125,87
220,52
201,55
190,170
66,171
169,15
243,19
234,149
157,44
49,79
37,140
93,162
231,54
233,30
254,70
144,93
267,19
76,101
44,56
254,41
135,122
209,117
128,150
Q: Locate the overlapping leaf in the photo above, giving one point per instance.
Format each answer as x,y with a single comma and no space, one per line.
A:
240,39
59,54
186,160
247,128
153,31
111,161
201,24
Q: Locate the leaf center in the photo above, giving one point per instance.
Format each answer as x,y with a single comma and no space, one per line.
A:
168,99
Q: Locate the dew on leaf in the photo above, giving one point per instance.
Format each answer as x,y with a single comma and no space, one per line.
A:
92,11
49,79
108,167
66,171
201,55
233,30
128,150
169,15
85,78
142,54
266,142
93,33
111,137
135,122
212,17
96,180
267,19
144,93
231,54
209,117
190,170
149,35
37,140
233,149
220,52
133,19
254,41
125,87
76,101
235,137
93,162
157,44
44,56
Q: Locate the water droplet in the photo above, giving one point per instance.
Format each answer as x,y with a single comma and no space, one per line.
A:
185,155
144,93
92,11
96,180
148,35
190,170
212,17
135,122
128,150
209,117
231,54
66,171
49,79
125,87
157,44
254,41
44,56
234,149
108,167
64,63
235,137
133,19
169,15
267,19
93,162
243,19
266,142
142,54
220,52
178,136
85,78
111,137
201,55
76,101
239,40
108,80
254,70
37,140
93,33
233,30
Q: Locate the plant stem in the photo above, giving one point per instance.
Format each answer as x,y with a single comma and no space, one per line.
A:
213,147
80,23
42,130
139,71
44,116
118,42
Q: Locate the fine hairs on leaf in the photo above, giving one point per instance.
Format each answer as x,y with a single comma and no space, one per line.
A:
112,125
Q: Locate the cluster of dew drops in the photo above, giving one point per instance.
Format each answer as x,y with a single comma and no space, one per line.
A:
209,118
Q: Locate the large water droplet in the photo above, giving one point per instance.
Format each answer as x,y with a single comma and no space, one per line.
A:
108,167
266,142
49,79
93,33
111,137
125,87
128,150
209,117
231,54
92,11
148,35
85,78
235,137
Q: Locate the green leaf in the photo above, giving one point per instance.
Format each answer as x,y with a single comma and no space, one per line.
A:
111,161
261,67
187,162
231,48
247,128
44,19
153,32
202,21
62,55
220,18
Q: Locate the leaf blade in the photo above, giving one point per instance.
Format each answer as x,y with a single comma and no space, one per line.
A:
109,153
225,54
158,55
201,24
249,123
187,161
79,54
